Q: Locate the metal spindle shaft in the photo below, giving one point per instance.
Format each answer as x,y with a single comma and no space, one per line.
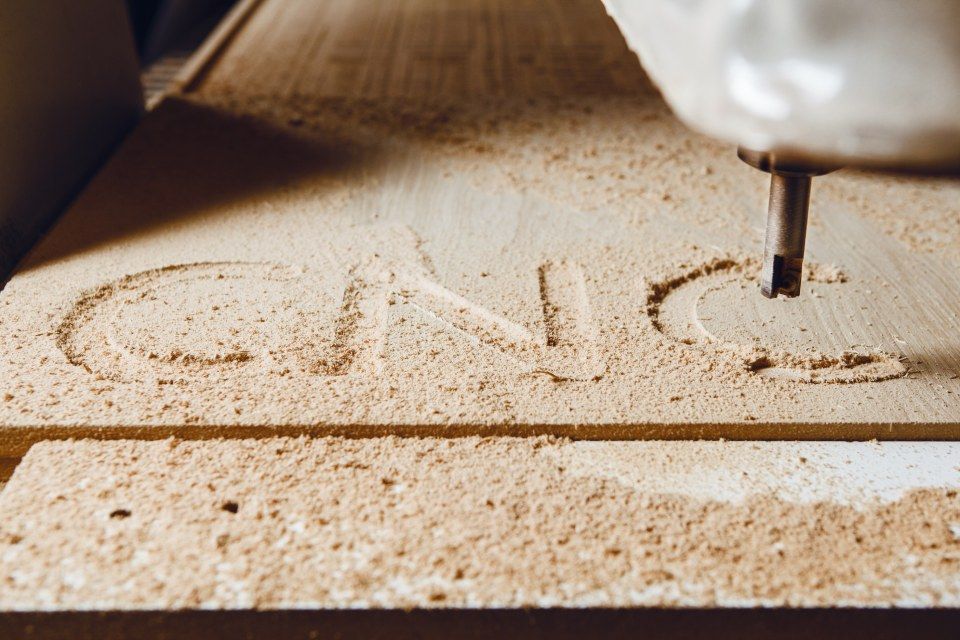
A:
782,271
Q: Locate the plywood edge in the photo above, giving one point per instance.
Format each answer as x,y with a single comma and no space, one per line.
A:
16,441
557,623
195,70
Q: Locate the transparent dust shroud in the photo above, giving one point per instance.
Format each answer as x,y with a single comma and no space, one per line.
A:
863,82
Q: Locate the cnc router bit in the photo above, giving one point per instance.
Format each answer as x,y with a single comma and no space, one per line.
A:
790,182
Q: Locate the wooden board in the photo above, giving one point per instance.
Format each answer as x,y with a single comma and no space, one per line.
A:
425,218
421,49
513,523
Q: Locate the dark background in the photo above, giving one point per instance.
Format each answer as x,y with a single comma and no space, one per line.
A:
159,25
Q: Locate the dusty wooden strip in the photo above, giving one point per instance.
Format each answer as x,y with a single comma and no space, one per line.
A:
192,73
424,49
15,443
398,523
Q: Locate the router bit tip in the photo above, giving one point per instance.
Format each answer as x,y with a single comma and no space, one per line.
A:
782,271
790,180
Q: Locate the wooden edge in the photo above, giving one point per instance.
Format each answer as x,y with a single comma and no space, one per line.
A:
7,466
16,441
195,70
504,624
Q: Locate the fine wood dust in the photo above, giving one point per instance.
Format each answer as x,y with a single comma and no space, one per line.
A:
803,365
476,522
597,153
400,267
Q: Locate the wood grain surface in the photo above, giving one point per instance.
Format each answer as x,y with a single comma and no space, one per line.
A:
425,49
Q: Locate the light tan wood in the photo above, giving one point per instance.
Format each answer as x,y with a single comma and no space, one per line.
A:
426,49
502,522
461,242
193,72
